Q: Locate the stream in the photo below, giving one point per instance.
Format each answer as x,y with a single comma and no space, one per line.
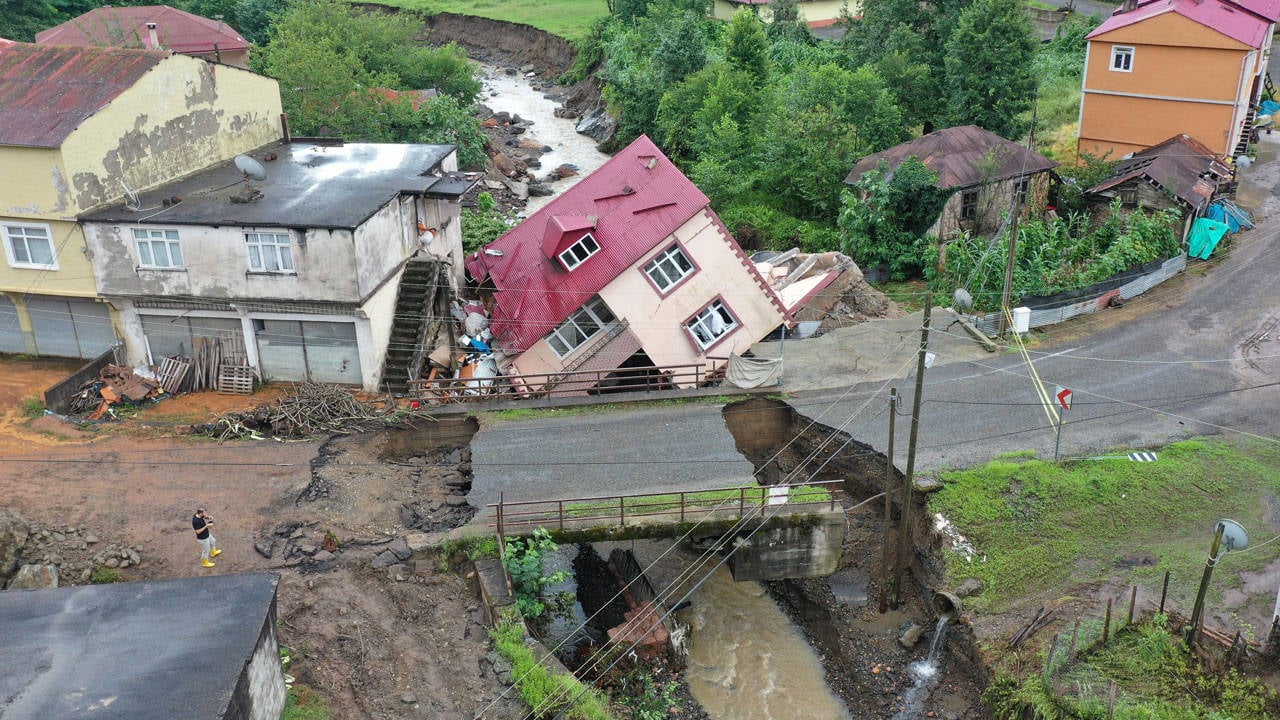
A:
512,94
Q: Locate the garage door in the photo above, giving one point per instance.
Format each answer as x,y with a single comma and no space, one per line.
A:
68,327
295,350
11,340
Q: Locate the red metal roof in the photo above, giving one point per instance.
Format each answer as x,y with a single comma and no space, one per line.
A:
47,91
127,27
1238,21
630,205
959,156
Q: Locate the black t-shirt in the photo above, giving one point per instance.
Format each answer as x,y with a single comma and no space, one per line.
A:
201,526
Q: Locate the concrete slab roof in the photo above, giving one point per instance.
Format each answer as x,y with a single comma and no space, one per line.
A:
154,650
308,184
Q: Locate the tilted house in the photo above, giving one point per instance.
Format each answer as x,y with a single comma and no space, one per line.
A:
301,266
152,27
630,267
1160,68
982,170
80,128
1180,173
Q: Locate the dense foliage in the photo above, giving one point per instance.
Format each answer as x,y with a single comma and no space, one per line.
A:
886,216
335,64
22,19
1059,253
484,223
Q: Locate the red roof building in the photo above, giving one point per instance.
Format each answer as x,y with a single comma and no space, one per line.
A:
152,27
631,261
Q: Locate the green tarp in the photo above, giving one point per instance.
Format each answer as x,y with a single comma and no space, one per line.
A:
1205,236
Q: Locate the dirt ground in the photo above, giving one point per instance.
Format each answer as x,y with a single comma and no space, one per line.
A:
396,642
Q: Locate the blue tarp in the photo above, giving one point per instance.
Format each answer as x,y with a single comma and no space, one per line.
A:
1240,215
1217,213
1268,107
1205,236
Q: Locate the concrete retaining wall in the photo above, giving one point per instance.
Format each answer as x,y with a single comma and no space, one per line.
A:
794,550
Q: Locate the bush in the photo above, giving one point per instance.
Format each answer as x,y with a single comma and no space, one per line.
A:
757,227
103,575
32,407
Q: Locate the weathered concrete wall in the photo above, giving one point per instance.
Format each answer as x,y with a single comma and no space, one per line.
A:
382,244
260,690
808,547
182,116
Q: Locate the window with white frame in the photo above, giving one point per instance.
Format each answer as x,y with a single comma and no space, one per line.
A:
577,253
29,246
585,323
269,252
158,249
1121,58
668,269
714,322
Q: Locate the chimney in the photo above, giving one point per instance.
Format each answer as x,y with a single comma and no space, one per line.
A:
153,38
1128,6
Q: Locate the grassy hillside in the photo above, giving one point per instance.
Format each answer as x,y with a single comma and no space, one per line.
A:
567,18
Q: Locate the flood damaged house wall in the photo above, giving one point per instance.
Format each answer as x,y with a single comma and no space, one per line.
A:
630,260
302,266
83,127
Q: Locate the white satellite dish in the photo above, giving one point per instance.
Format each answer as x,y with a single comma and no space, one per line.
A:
251,168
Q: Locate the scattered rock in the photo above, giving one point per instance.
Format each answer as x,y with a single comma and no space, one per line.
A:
34,576
386,558
408,698
564,171
90,538
455,500
112,562
266,547
968,588
911,636
323,556
540,190
400,549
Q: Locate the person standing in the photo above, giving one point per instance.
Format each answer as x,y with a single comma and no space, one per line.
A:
202,523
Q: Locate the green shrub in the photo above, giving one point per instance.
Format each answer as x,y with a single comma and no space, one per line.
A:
32,407
524,562
303,703
103,575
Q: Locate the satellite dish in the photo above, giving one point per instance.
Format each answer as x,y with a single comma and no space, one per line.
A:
963,299
1234,536
251,168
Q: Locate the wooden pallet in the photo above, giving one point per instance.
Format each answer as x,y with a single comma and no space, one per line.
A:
172,372
235,379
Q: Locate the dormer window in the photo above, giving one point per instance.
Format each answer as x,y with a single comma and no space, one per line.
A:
577,253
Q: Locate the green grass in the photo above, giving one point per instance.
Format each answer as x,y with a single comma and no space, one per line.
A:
909,294
303,703
570,19
103,575
548,694
1037,527
693,501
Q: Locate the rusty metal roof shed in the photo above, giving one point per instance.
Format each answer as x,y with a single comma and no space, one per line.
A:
960,157
1182,166
46,92
127,27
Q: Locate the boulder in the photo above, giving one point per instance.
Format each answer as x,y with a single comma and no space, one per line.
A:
911,636
968,588
14,532
34,576
400,548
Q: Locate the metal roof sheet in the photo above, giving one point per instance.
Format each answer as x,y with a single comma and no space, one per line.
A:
959,157
127,27
307,185
1178,165
131,650
638,198
1233,20
47,91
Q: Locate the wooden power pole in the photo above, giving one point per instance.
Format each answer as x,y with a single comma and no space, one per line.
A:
904,524
888,505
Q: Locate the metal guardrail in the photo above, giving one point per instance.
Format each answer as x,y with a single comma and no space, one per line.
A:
578,382
520,517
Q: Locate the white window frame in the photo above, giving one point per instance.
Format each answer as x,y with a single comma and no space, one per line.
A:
1122,58
147,241
589,321
579,252
667,271
7,229
703,326
281,252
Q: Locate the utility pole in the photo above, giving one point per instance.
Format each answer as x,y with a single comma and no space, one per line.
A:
904,525
1013,232
888,507
1193,630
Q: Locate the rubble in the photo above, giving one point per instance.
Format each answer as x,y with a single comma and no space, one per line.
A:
37,555
310,409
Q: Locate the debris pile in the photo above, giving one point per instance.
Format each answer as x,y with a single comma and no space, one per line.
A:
113,386
310,409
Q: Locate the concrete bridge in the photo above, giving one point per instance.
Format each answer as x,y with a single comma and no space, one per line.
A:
770,532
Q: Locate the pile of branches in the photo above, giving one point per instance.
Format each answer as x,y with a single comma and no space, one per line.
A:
310,409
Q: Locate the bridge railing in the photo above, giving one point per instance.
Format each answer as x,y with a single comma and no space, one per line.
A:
522,517
577,382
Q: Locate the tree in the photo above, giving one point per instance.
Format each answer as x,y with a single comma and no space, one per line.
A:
988,67
785,22
22,19
885,218
689,111
746,47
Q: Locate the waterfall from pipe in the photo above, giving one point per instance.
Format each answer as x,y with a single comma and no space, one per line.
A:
926,673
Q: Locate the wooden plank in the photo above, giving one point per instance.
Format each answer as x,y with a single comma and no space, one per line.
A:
235,379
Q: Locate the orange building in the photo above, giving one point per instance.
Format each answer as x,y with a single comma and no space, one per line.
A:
1167,67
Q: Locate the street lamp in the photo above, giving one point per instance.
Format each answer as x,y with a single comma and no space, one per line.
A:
1234,537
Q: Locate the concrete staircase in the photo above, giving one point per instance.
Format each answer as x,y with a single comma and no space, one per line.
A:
419,286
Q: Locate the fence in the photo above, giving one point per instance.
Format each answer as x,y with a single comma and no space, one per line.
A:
1053,313
577,382
515,518
1068,670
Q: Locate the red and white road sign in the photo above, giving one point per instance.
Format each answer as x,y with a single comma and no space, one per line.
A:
1064,398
